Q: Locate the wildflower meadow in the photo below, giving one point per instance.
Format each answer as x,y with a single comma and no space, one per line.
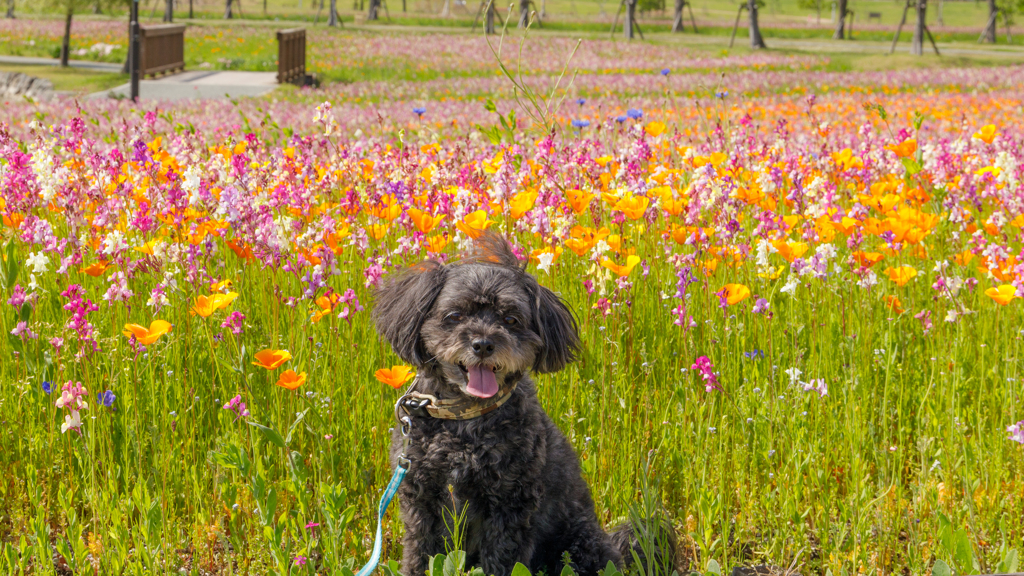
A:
799,292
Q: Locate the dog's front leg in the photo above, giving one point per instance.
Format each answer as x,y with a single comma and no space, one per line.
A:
424,532
506,539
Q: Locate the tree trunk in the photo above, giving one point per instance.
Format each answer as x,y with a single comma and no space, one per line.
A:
917,44
677,22
332,15
65,45
489,19
627,24
756,41
189,9
524,13
840,32
227,9
96,8
10,8
373,13
989,35
169,11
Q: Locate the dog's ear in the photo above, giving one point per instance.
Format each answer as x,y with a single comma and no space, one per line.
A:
492,248
557,329
401,307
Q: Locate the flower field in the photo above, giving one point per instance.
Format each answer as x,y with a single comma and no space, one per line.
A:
801,289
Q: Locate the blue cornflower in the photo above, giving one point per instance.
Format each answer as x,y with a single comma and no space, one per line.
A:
665,71
106,398
581,101
721,93
755,354
580,124
419,111
635,113
623,118
47,387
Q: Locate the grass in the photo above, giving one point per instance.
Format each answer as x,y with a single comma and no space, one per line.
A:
73,80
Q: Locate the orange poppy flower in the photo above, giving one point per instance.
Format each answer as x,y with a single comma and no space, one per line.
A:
1003,294
904,149
423,221
790,250
579,200
271,359
147,336
436,244
522,203
474,224
290,380
96,268
868,259
394,376
735,293
623,270
901,275
894,304
207,305
655,128
633,206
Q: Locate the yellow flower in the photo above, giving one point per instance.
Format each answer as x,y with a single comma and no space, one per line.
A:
474,224
423,221
987,133
633,206
901,275
1003,294
394,376
522,203
271,359
157,328
290,380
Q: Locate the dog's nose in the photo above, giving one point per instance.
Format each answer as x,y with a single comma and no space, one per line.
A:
483,347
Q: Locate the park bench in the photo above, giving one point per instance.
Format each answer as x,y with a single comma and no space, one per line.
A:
162,49
874,16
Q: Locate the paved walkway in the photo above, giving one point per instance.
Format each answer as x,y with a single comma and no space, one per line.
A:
199,85
83,64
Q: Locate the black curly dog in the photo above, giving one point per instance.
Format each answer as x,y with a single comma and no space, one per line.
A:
470,327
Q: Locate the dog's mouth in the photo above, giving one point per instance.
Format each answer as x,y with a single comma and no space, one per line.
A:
482,379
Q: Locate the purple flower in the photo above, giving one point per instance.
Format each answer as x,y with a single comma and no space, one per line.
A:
23,331
234,322
635,113
47,386
1016,432
106,398
818,385
300,560
760,306
706,368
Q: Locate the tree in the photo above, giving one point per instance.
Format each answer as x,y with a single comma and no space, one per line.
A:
374,11
630,21
756,41
524,13
841,12
917,42
10,8
169,11
332,15
1006,8
68,8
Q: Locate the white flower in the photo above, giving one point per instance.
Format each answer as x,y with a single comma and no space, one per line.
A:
544,261
794,375
74,420
113,243
827,251
191,184
951,316
869,280
791,283
38,261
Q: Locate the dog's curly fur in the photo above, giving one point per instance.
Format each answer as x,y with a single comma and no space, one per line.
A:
511,472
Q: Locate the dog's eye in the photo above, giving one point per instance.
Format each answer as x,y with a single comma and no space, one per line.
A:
510,320
453,317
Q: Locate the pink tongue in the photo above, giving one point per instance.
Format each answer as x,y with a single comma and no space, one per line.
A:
482,382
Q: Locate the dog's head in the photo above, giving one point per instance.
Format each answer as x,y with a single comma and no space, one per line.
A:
477,321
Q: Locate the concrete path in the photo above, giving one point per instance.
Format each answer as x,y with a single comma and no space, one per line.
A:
199,85
83,64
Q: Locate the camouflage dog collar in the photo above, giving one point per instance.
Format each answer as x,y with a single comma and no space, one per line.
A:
460,408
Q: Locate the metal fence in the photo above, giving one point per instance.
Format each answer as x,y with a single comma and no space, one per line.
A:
291,55
162,49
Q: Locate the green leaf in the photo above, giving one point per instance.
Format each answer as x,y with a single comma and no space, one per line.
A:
489,106
455,562
520,570
391,568
568,571
270,434
940,568
609,570
291,430
963,554
1009,563
714,567
437,565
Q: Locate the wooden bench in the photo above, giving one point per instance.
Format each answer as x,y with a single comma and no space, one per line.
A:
291,56
162,49
874,16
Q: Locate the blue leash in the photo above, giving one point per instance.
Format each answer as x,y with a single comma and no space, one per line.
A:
385,500
392,489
